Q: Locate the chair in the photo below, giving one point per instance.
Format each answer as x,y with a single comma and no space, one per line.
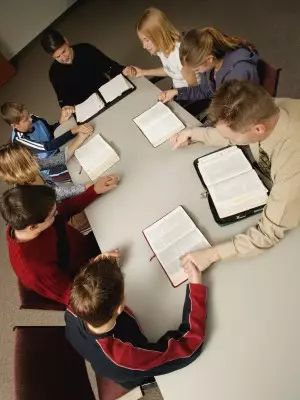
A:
109,390
269,76
32,300
47,367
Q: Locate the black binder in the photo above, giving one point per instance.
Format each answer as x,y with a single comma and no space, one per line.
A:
232,218
111,103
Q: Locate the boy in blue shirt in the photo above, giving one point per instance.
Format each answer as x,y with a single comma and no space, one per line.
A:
37,134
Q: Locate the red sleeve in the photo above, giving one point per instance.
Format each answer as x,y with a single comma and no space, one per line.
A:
74,205
180,344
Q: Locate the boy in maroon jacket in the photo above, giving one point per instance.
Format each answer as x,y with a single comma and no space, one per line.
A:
106,333
45,251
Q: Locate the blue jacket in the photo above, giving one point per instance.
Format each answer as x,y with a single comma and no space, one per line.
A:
237,64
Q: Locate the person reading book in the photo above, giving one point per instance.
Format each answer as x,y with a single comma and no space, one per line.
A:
245,114
78,70
218,58
106,333
18,166
44,250
37,134
160,37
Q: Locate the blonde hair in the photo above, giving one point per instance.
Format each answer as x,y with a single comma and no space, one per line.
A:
17,164
12,112
198,44
156,26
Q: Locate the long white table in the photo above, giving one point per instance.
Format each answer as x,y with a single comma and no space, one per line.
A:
252,349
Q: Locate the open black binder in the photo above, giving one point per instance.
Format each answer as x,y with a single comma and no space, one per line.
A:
110,103
232,218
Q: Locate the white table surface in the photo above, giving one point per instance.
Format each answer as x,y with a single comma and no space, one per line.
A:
252,347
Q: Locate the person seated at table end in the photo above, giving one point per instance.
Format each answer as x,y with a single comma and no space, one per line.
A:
78,70
105,332
245,114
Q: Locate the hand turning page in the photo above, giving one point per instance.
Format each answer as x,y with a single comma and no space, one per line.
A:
96,156
171,238
115,88
158,124
89,108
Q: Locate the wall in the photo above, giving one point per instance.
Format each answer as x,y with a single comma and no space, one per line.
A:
21,21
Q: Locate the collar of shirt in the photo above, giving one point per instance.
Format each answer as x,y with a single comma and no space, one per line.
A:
279,133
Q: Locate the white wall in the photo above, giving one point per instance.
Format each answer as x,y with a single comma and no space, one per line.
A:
22,20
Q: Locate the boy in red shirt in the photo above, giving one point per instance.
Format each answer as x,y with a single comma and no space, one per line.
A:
44,250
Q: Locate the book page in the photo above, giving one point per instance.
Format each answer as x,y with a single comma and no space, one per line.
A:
238,194
90,107
115,88
222,165
96,156
171,238
158,123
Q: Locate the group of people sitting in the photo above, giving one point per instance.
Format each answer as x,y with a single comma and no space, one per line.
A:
49,253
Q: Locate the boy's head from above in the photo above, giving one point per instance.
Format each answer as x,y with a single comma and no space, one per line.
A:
243,112
156,32
18,166
29,209
97,294
17,116
55,44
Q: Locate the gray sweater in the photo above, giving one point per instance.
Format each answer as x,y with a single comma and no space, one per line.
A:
62,190
237,64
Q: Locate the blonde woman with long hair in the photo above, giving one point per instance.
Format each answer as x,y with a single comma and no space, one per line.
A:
18,166
160,37
218,58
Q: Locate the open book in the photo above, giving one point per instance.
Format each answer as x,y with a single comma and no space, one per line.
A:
115,88
96,156
158,124
172,237
89,108
108,94
232,183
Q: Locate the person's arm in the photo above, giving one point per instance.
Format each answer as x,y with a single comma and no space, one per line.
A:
76,204
206,135
66,190
53,161
37,147
189,75
281,214
60,89
172,351
84,132
191,93
135,72
194,93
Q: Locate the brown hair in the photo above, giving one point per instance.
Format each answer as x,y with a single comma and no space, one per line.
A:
17,164
26,205
97,291
156,26
12,112
240,104
198,44
52,40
